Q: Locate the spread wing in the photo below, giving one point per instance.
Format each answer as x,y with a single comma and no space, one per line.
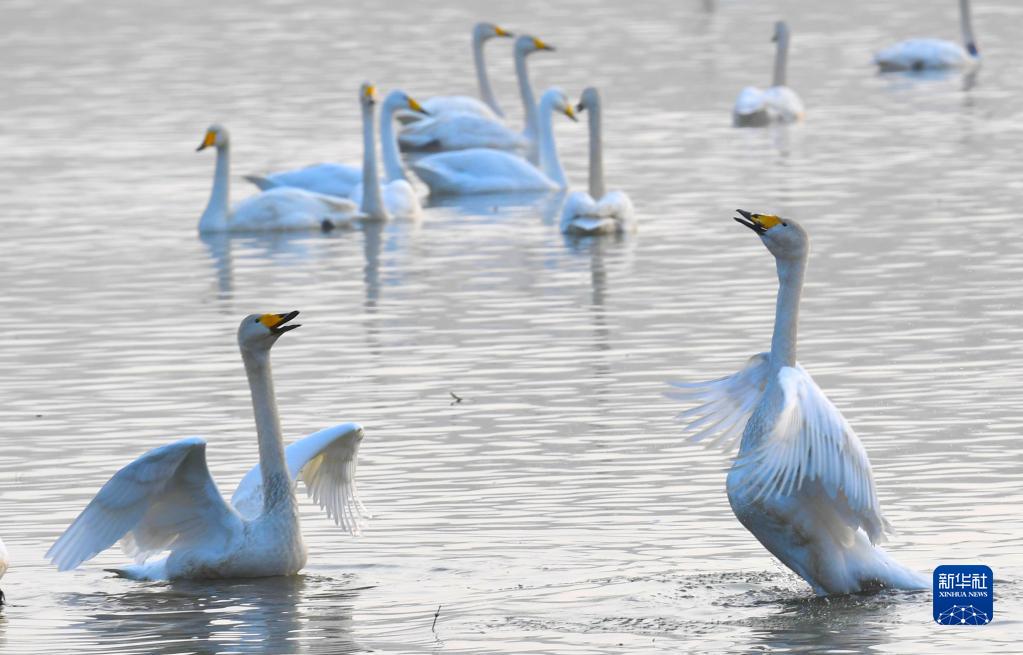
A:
326,462
812,442
725,404
163,500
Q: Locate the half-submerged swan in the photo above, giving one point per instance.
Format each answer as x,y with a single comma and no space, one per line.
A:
275,210
778,104
166,500
801,483
932,54
483,170
596,212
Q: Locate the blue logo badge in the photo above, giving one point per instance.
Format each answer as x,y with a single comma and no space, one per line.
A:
964,594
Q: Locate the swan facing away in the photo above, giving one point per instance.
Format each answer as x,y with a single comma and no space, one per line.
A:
801,483
167,502
778,104
596,212
275,210
483,170
932,54
461,130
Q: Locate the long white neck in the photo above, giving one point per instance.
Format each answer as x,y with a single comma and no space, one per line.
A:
781,59
482,79
372,198
596,151
549,162
278,490
214,219
393,170
966,23
786,314
526,92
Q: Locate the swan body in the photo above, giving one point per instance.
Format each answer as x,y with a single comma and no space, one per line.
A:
328,178
274,210
802,482
777,104
482,170
596,211
469,127
169,516
932,54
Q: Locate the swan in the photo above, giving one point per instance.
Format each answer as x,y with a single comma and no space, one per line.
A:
596,212
166,499
464,130
801,483
483,170
778,104
341,179
3,568
932,54
275,210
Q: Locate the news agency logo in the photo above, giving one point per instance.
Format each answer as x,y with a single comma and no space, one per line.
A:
963,594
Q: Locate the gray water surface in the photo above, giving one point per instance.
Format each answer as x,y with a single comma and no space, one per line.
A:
556,509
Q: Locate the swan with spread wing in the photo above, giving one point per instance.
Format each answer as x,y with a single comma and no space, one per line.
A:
169,516
801,483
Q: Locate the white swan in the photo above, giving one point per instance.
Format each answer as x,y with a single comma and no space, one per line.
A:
778,104
166,499
482,170
596,212
801,483
932,54
4,561
342,179
274,210
464,130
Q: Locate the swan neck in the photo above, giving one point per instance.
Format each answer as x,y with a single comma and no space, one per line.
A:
550,164
786,316
482,79
372,200
966,23
596,152
273,467
215,216
526,93
781,59
393,170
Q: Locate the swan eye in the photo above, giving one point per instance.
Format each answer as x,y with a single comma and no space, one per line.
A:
784,223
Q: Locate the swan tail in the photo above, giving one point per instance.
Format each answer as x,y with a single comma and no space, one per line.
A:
264,183
884,572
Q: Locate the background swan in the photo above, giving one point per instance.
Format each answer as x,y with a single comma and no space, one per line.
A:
273,210
596,212
482,170
778,104
463,130
801,483
932,54
166,499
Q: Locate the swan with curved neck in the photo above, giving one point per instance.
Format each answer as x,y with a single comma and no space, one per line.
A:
596,212
169,516
273,210
802,482
461,130
933,54
483,170
777,104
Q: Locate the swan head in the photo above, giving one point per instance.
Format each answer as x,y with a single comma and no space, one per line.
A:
784,238
216,135
259,332
484,31
527,44
557,101
401,100
781,31
367,94
590,99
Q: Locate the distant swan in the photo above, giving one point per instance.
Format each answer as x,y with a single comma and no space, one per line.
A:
801,483
778,104
483,170
464,130
932,54
596,212
166,499
274,210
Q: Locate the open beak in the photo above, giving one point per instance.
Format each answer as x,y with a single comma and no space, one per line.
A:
749,220
415,106
209,140
276,322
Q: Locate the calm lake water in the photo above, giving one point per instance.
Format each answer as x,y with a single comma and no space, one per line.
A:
556,509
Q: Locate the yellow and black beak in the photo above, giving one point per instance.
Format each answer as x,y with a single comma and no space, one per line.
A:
570,112
369,92
415,106
276,322
759,223
500,31
209,140
539,44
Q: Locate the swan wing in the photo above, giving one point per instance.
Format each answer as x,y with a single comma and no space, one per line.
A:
750,101
460,131
326,462
438,105
725,404
328,178
402,201
812,443
165,499
480,170
289,208
783,104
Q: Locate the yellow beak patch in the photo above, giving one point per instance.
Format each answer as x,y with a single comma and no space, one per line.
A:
210,139
415,106
766,221
501,31
271,320
570,112
540,45
371,92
